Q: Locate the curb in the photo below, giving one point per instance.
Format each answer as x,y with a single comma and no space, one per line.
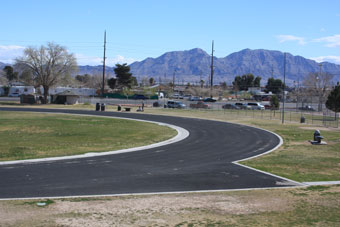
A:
181,135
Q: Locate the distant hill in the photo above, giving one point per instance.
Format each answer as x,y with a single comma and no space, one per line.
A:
190,65
95,70
2,65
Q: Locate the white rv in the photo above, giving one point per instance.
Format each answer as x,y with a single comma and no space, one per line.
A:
16,91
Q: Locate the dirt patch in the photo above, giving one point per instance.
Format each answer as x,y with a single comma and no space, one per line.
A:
164,210
277,207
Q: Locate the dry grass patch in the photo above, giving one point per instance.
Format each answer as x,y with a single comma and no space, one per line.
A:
318,205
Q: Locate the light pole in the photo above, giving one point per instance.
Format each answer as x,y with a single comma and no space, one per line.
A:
283,90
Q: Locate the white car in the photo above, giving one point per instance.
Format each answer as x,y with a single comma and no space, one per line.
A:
255,106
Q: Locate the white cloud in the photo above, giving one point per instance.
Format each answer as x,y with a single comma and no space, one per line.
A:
331,41
332,59
286,38
110,61
9,53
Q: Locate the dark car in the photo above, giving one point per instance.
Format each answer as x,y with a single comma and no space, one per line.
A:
307,108
139,97
230,106
209,100
156,104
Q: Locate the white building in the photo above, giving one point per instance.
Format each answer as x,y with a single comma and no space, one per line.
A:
16,91
77,91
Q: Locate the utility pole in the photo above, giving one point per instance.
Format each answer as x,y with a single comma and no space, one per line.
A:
212,69
318,88
104,65
173,81
284,86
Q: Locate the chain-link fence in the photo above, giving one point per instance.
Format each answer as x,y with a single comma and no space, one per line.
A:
294,112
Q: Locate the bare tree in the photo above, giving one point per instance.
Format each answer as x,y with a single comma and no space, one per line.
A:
3,78
318,84
96,81
49,65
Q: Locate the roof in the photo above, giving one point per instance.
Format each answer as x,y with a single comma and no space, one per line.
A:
67,93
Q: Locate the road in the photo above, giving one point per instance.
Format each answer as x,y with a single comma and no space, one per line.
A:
203,161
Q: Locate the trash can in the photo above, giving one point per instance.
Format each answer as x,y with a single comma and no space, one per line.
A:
102,107
302,119
97,106
119,108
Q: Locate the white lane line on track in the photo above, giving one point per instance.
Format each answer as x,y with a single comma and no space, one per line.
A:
181,135
267,152
322,183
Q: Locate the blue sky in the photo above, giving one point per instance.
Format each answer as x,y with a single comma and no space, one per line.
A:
146,28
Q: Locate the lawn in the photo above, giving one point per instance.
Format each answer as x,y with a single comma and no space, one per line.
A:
33,135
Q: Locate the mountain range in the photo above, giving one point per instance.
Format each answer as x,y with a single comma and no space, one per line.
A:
193,65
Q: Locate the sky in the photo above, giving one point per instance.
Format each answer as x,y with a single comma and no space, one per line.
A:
137,29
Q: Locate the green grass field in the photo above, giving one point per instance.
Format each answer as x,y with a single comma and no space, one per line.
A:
32,135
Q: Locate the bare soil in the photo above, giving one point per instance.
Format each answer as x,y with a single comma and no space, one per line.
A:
238,208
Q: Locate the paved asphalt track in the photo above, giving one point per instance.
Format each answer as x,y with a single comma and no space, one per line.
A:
202,161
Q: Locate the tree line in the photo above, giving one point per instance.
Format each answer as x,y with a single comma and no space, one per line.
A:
242,83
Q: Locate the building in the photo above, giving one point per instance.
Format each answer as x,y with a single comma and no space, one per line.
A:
66,97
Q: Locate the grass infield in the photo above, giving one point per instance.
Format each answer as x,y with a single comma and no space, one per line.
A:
33,135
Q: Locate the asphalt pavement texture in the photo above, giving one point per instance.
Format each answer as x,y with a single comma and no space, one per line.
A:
202,161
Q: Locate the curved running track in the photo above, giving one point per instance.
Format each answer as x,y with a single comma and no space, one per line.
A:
202,161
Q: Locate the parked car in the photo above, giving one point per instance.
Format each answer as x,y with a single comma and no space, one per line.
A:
195,98
175,104
269,107
177,96
156,104
209,100
230,106
307,108
242,106
188,97
15,94
255,106
200,104
139,97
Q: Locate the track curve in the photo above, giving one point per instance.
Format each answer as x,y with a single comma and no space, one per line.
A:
202,161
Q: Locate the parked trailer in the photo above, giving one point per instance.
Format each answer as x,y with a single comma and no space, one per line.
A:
16,91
